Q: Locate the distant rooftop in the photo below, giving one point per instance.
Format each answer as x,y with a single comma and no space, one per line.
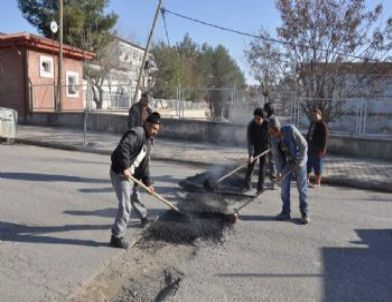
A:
31,41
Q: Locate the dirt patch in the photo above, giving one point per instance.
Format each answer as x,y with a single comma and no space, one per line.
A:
148,271
138,274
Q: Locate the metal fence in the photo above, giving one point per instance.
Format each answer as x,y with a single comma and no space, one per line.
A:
358,116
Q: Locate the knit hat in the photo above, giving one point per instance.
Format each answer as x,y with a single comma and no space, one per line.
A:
273,122
154,118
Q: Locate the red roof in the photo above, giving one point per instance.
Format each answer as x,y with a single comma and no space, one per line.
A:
31,41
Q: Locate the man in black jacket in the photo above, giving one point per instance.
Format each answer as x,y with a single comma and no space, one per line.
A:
257,138
131,157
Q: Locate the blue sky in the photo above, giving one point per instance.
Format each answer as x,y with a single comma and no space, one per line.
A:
135,19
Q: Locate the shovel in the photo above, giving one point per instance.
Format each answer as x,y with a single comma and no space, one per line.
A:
210,185
156,195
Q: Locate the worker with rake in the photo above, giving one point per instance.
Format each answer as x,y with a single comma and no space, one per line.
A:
289,149
131,159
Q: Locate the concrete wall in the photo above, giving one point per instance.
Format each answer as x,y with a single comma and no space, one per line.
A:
211,132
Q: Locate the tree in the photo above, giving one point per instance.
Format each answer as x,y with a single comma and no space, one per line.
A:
198,70
85,25
225,74
319,40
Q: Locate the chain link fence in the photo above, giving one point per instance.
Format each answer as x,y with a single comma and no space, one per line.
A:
358,116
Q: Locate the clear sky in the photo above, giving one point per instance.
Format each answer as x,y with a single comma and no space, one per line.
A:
135,19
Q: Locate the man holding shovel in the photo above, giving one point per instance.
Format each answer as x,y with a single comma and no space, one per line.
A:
289,149
257,138
131,158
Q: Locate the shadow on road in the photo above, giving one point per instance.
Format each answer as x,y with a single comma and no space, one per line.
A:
96,190
109,212
259,275
50,177
256,218
37,234
360,274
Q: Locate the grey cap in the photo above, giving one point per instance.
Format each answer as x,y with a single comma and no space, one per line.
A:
273,122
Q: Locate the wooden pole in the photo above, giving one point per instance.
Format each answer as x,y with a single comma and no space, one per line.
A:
146,52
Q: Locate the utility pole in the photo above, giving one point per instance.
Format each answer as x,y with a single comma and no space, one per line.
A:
146,52
60,58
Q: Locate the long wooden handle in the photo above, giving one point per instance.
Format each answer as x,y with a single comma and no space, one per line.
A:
245,203
240,167
253,198
155,194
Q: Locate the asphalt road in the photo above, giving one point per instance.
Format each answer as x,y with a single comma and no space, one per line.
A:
57,208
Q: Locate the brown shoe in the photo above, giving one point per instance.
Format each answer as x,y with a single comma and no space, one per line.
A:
119,242
305,218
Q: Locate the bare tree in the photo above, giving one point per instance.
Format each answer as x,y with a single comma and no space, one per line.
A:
319,41
98,72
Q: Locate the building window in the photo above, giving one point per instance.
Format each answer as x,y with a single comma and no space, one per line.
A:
72,82
45,67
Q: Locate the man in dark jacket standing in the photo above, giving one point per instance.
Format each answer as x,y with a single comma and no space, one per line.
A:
131,157
317,146
139,112
257,138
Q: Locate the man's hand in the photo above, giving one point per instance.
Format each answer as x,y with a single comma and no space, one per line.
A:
127,173
321,154
294,166
278,177
250,159
150,190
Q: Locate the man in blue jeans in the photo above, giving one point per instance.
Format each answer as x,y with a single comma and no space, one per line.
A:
289,149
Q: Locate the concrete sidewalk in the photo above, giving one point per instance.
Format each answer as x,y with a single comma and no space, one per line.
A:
338,170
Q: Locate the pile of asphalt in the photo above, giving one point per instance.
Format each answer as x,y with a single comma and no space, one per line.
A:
204,215
233,183
185,228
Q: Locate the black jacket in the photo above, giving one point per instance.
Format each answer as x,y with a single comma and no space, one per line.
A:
257,137
127,150
318,137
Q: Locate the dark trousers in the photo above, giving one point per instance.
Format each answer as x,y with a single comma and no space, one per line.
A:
272,168
249,172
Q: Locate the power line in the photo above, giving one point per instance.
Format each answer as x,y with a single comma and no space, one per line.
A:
242,33
165,25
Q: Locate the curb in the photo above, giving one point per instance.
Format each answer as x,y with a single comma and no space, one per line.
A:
26,141
341,182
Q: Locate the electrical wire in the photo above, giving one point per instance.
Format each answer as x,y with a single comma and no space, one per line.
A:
165,25
242,33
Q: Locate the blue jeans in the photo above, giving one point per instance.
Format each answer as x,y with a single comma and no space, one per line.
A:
314,161
302,185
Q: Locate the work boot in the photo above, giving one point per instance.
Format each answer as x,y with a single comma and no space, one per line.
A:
305,218
283,216
245,189
144,222
119,242
259,192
